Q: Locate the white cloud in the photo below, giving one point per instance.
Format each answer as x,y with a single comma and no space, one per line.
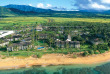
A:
98,6
40,5
49,5
90,0
30,4
105,1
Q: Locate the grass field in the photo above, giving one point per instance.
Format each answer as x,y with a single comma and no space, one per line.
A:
32,20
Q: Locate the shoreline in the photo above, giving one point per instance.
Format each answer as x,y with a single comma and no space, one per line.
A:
52,59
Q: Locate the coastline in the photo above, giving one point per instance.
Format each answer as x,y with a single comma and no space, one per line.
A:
51,59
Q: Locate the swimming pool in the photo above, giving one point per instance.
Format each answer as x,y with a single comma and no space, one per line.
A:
40,48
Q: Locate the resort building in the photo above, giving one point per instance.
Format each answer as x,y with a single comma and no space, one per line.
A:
68,43
19,46
42,36
96,41
4,42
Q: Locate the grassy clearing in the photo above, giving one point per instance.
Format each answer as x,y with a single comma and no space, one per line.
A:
32,20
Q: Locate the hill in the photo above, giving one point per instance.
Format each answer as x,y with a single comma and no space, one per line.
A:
6,12
26,10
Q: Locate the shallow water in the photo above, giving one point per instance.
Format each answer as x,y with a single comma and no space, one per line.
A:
103,68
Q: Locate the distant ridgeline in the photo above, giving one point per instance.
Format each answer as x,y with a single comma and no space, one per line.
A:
26,10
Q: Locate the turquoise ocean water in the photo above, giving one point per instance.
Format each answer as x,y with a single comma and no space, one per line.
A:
103,68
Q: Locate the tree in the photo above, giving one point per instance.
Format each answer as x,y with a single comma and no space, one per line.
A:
51,40
91,52
109,44
85,53
102,47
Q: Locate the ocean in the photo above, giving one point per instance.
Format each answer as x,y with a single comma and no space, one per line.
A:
103,68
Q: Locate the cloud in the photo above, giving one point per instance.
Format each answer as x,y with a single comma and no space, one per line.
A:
105,1
98,6
92,4
30,4
49,5
40,5
90,0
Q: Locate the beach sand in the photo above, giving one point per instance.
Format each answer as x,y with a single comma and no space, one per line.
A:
52,59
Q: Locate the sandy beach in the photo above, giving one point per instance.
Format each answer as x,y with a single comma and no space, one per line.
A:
51,59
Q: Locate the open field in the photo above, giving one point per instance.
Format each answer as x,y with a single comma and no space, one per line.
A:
31,20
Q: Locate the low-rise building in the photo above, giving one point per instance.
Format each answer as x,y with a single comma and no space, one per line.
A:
4,42
29,39
39,28
67,44
42,36
96,41
19,46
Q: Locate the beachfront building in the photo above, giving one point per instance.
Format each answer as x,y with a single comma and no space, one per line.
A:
68,43
96,41
3,42
19,46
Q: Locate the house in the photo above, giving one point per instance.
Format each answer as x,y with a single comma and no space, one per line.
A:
51,28
19,46
39,28
69,44
69,38
17,37
57,43
96,41
9,38
14,37
42,36
76,44
4,42
62,44
29,39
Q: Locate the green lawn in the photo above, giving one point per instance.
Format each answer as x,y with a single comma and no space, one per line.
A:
32,20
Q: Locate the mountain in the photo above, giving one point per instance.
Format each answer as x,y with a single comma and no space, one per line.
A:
27,8
6,12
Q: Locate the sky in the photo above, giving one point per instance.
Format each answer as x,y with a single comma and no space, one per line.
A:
65,4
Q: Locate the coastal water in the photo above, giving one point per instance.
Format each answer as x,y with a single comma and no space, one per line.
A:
63,69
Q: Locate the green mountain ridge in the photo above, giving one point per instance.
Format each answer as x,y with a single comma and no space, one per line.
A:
13,12
6,12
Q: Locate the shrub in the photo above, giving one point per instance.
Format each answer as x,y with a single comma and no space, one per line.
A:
91,52
96,52
102,47
85,53
65,53
39,55
101,51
